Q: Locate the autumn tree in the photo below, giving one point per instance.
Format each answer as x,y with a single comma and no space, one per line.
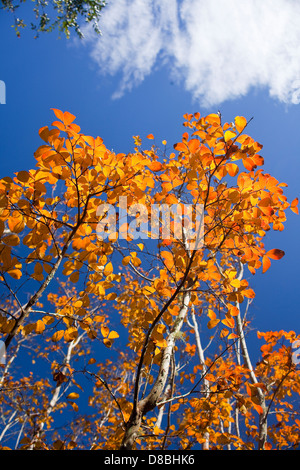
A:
147,256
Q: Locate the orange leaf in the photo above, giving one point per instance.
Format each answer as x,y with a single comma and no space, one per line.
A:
168,259
265,202
266,263
194,145
258,160
224,333
155,166
294,205
275,253
258,408
249,293
232,169
44,133
180,147
90,140
267,211
229,322
232,310
212,323
249,164
59,114
232,336
211,314
68,118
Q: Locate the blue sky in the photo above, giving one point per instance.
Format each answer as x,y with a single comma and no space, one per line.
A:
155,61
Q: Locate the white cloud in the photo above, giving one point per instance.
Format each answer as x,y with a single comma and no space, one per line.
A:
218,49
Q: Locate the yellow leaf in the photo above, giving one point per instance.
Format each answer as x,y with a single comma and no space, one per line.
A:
104,331
108,269
136,261
111,296
113,335
240,123
70,334
126,260
148,290
57,335
72,396
99,318
235,283
39,326
229,135
157,430
15,273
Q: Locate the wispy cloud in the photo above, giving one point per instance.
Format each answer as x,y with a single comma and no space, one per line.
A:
218,49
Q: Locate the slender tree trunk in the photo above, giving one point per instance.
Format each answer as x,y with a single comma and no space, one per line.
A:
205,445
150,401
263,425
